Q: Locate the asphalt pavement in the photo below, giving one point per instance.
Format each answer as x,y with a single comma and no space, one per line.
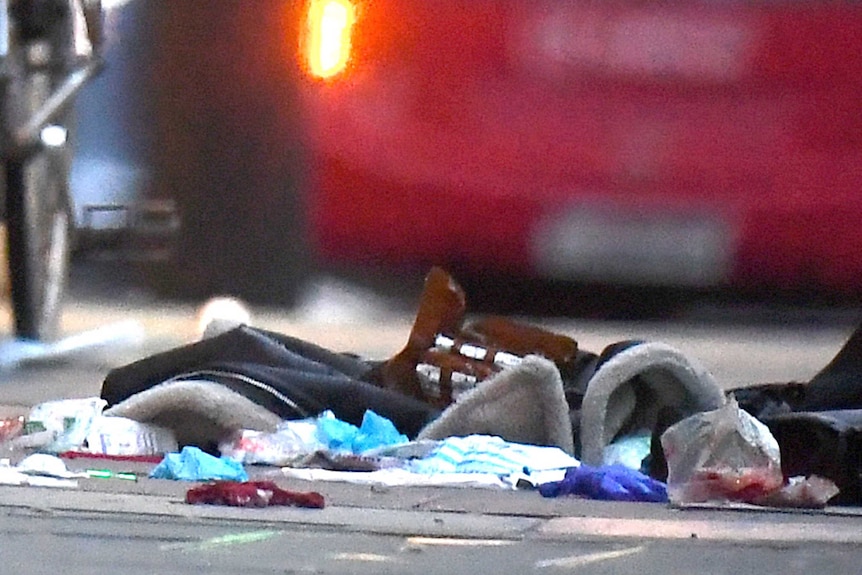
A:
145,526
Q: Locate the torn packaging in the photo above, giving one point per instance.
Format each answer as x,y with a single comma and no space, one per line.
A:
198,412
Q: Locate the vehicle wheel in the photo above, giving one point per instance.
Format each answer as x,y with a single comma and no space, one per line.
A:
38,228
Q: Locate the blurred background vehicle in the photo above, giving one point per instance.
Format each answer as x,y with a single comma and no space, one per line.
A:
692,146
188,173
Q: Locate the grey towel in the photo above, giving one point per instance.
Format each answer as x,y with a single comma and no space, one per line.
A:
629,388
199,412
521,404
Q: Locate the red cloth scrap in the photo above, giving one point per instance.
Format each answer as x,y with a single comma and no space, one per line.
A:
251,494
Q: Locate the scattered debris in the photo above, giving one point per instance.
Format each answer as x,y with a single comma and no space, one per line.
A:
488,402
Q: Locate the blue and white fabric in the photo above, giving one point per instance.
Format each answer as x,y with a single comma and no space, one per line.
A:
491,455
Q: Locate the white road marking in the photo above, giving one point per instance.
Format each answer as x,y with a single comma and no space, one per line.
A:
458,542
364,557
581,560
742,531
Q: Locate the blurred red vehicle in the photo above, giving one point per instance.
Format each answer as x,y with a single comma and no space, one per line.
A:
688,143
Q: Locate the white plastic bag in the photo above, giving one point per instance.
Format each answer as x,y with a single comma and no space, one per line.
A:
62,425
292,440
721,455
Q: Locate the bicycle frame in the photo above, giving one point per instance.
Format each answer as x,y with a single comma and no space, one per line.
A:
21,136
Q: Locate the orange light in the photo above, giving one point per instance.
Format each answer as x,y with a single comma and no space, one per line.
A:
330,24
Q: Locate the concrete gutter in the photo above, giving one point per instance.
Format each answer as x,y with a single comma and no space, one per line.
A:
365,520
457,515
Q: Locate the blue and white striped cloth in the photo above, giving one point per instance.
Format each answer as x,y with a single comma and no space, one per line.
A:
491,455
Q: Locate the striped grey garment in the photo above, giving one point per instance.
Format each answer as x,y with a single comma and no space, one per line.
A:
492,455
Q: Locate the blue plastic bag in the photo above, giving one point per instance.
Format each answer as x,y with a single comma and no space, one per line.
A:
192,464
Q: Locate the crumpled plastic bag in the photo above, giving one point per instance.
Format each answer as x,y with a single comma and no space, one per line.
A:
192,464
813,492
292,441
38,470
629,450
721,455
61,425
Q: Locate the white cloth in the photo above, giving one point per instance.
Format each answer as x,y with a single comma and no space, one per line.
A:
471,461
399,477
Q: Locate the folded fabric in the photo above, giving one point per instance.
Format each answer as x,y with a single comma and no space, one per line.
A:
289,377
523,404
491,455
192,464
609,483
838,386
632,383
199,412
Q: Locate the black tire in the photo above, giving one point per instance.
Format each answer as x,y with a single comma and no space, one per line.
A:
38,228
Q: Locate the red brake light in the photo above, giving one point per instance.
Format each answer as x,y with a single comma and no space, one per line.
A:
329,26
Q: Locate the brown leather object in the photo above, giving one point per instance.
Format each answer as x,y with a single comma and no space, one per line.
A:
441,312
520,339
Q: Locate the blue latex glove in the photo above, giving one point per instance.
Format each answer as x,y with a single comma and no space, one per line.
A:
192,464
609,483
376,431
335,434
